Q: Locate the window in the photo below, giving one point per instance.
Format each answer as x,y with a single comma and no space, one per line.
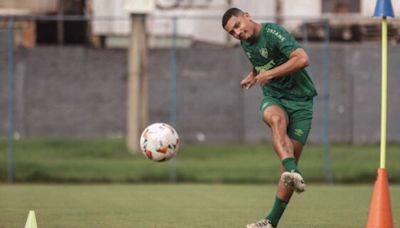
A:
341,6
63,32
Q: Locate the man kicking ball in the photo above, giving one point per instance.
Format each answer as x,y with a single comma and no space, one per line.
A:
287,106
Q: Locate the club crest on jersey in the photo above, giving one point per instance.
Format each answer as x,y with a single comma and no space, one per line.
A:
264,52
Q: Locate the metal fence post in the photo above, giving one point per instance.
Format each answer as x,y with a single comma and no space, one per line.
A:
10,100
326,86
173,112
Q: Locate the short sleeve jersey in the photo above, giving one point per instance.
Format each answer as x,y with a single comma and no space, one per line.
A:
272,48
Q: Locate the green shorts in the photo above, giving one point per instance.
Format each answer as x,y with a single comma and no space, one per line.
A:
298,112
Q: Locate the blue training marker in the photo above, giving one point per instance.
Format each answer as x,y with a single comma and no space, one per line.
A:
383,8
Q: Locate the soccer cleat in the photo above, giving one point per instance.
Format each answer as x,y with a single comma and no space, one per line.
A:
293,181
264,223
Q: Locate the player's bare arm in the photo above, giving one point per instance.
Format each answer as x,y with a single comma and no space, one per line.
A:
249,80
298,60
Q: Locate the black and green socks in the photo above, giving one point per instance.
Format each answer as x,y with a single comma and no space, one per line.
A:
290,164
276,213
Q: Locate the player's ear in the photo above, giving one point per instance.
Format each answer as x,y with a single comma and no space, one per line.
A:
246,15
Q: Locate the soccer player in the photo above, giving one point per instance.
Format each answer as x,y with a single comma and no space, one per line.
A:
279,68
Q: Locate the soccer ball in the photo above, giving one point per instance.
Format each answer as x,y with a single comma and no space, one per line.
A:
159,142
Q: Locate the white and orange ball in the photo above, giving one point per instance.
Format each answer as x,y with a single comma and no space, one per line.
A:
159,142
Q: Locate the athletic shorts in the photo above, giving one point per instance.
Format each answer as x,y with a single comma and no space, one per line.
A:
298,112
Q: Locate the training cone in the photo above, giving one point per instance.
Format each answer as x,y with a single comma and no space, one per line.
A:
31,221
380,211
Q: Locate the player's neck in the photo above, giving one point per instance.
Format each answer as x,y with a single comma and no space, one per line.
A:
257,30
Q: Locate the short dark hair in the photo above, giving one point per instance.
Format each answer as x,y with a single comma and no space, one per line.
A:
229,13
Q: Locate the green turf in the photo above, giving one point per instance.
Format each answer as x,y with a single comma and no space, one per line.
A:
183,205
107,160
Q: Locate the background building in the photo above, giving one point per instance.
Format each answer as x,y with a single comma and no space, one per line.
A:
349,20
72,53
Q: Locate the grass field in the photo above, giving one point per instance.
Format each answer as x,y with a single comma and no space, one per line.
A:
183,206
74,160
218,186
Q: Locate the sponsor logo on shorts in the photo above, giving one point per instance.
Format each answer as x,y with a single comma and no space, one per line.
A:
298,132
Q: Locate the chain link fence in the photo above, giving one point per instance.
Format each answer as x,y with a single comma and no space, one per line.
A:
72,82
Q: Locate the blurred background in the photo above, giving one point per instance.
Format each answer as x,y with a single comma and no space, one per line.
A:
65,87
80,80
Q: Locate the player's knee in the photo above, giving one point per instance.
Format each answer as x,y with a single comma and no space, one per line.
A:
276,120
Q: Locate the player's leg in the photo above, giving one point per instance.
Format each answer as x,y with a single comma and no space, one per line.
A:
276,118
282,198
300,115
283,194
293,179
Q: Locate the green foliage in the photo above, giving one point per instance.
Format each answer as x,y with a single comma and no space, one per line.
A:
107,160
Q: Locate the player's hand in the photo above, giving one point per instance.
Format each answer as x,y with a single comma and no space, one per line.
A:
263,78
248,81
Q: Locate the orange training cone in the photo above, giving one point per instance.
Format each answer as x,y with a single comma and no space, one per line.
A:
380,211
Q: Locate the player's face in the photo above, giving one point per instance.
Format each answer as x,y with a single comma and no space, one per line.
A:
240,27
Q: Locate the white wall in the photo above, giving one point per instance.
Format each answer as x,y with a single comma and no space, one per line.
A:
257,9
120,25
294,12
205,26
